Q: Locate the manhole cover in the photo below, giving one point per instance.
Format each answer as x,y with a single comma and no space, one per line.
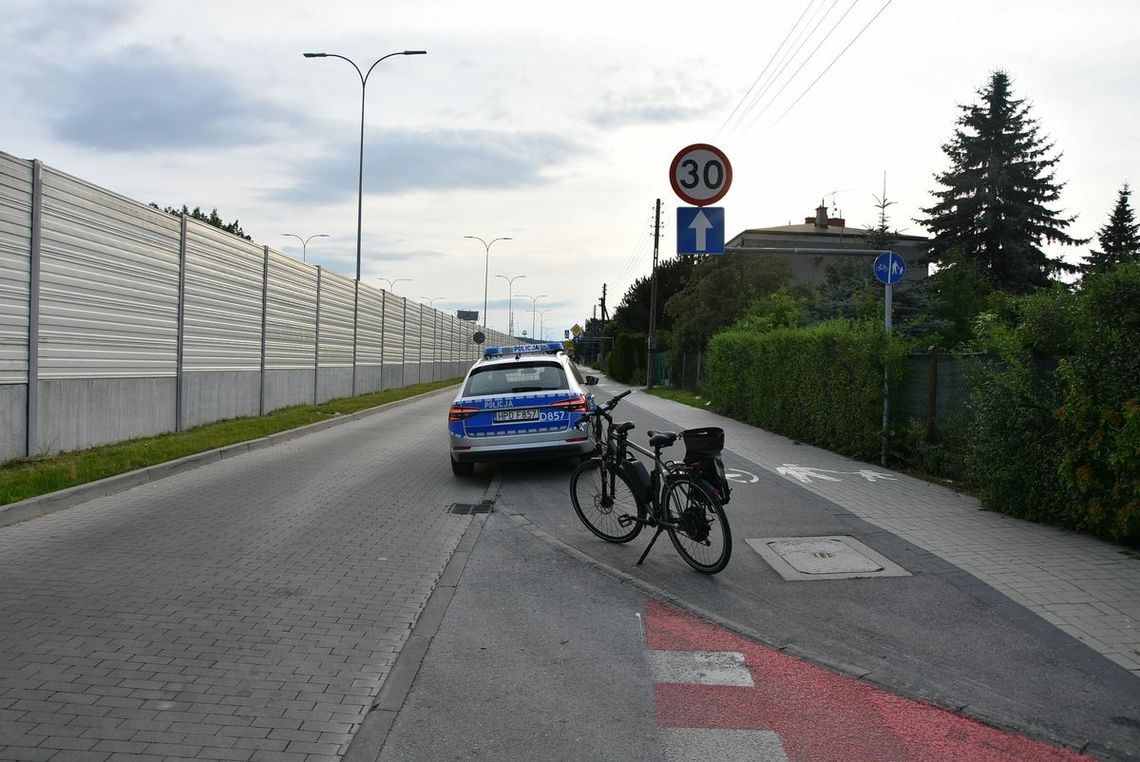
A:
823,556
841,557
463,509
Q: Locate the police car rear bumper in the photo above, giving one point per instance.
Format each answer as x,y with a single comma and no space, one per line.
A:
528,451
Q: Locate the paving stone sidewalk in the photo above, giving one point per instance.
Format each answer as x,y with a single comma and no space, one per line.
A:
1088,588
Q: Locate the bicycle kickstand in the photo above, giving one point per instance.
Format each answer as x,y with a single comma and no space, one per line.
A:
650,545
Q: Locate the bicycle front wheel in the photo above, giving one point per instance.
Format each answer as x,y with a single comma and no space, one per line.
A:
601,496
701,536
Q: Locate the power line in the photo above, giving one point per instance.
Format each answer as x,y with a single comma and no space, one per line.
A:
789,55
809,87
802,64
765,69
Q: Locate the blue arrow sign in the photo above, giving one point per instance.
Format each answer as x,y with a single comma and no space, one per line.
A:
889,268
700,230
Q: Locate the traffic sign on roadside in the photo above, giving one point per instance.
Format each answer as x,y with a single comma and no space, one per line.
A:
889,268
700,230
700,174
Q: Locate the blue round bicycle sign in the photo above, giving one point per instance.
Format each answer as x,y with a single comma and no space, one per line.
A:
889,268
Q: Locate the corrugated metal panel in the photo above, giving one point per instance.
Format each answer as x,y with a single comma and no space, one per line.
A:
434,349
394,330
336,321
368,330
15,258
109,284
223,301
414,332
290,314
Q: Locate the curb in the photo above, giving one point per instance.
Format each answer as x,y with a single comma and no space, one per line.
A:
41,505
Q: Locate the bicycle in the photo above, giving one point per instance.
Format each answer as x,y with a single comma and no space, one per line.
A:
615,496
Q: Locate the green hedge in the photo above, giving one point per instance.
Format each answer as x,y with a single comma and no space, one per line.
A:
1055,432
822,384
627,358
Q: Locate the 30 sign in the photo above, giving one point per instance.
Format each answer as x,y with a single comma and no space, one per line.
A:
700,174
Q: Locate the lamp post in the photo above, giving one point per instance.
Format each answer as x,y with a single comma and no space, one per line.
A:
487,267
533,308
305,241
510,302
392,283
360,183
542,324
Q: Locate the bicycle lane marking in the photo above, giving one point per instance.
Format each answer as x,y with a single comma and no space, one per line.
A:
721,696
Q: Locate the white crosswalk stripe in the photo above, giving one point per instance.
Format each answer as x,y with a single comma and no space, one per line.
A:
700,667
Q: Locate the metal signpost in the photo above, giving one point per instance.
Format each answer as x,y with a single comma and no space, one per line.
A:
889,268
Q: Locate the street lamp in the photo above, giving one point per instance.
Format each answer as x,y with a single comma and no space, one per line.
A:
305,241
510,302
486,267
533,307
542,324
392,283
360,183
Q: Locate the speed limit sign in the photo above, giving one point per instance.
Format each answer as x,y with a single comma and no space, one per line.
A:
700,174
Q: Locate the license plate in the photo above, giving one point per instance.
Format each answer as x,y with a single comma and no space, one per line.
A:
511,416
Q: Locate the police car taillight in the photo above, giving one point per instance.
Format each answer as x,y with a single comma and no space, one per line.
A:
459,413
573,405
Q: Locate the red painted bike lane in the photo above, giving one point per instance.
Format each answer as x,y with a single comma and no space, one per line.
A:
720,696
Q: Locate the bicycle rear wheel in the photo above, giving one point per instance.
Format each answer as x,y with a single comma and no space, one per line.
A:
600,496
702,536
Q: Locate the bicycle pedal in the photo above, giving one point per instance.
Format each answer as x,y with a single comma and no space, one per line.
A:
625,520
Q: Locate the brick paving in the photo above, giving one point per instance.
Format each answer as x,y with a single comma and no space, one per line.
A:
1088,588
246,610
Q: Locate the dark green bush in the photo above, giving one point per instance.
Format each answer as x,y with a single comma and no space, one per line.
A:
822,384
627,356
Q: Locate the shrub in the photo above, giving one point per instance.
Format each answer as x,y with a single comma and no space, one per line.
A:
822,384
627,356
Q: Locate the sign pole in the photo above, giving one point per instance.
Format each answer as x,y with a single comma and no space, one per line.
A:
651,340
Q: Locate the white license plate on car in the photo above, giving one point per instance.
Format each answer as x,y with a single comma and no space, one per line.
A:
511,416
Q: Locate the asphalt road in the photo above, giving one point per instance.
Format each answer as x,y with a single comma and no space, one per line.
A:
253,608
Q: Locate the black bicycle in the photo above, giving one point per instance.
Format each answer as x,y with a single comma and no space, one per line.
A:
615,496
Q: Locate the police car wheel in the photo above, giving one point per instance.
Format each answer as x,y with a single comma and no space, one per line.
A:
462,469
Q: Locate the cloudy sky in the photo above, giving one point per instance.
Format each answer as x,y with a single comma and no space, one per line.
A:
551,123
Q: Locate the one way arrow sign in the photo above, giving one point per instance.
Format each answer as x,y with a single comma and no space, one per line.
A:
700,230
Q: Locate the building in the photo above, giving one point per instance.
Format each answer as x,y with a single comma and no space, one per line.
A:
825,232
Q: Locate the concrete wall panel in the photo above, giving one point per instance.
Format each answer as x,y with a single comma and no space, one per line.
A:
287,388
334,383
209,396
75,414
13,412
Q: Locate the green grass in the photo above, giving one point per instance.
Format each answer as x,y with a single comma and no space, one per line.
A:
683,396
24,478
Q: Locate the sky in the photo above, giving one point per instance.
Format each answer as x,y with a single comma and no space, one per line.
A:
553,124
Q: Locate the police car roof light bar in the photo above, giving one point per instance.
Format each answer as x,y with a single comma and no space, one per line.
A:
523,349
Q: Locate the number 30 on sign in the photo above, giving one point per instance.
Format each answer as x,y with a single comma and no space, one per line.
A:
700,174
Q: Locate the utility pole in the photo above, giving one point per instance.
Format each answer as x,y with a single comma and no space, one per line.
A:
651,343
605,315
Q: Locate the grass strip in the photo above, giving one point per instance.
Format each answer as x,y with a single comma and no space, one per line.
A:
30,477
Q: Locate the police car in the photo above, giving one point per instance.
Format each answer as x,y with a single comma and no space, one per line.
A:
519,403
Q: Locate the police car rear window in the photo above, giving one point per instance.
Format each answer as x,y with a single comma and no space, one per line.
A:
515,379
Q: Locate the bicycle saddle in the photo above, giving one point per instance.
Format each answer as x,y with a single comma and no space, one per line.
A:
662,438
622,428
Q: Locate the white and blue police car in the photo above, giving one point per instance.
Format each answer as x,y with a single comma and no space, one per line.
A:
519,403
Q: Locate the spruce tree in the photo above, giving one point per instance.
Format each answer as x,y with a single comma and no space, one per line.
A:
993,204
1119,240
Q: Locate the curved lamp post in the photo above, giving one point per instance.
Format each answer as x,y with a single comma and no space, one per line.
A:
542,324
486,267
533,309
392,283
360,182
305,241
510,302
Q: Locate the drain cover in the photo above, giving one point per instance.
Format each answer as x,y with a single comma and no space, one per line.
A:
463,509
803,558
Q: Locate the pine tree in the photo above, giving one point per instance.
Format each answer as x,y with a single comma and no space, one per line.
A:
1119,240
992,207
